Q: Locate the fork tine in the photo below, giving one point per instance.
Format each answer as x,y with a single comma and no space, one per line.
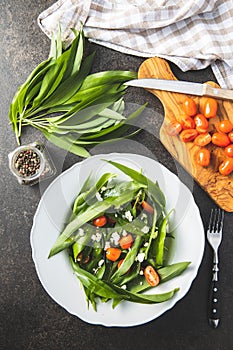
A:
216,220
221,218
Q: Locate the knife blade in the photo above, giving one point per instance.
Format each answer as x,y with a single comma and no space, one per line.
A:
184,87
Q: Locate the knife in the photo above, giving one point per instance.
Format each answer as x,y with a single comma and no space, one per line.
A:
184,87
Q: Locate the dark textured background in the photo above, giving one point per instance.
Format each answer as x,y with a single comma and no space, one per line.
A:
29,318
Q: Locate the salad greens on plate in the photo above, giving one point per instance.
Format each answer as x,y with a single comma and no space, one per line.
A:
118,240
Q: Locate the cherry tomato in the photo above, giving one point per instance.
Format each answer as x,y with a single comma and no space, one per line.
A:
126,241
173,127
221,140
225,126
188,135
113,254
203,139
187,122
120,262
203,157
201,123
151,276
147,207
226,167
100,221
230,135
229,150
210,108
190,107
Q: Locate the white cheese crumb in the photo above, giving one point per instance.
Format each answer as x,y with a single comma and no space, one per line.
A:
81,231
140,257
98,197
115,238
124,233
146,244
141,272
145,229
93,237
144,216
128,216
98,236
107,245
124,286
100,263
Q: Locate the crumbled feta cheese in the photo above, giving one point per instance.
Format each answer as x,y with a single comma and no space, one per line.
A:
103,188
141,272
124,233
145,229
144,216
98,236
93,237
124,286
140,257
141,283
146,244
115,215
100,263
128,216
98,197
115,238
81,231
107,245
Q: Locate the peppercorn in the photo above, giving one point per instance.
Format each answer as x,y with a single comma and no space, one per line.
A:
27,163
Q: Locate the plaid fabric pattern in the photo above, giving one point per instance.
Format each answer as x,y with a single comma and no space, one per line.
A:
191,33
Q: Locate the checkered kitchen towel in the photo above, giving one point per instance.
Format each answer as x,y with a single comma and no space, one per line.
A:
191,33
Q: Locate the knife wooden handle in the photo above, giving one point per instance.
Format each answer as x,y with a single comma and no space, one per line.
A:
216,92
219,187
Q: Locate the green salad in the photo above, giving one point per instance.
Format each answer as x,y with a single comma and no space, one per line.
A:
118,241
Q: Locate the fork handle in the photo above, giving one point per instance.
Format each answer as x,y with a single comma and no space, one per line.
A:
214,310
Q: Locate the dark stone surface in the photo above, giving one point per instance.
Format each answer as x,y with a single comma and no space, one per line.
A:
29,318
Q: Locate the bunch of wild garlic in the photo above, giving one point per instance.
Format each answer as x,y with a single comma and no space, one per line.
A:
72,108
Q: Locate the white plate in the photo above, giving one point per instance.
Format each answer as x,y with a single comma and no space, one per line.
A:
56,274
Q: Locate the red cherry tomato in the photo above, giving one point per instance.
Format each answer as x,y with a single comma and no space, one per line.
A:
230,135
100,221
229,150
120,262
173,127
147,207
203,139
225,126
203,157
190,107
210,108
151,276
126,241
201,123
226,167
221,140
187,122
113,254
188,135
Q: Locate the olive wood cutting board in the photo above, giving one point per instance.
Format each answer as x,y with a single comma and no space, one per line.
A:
219,187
